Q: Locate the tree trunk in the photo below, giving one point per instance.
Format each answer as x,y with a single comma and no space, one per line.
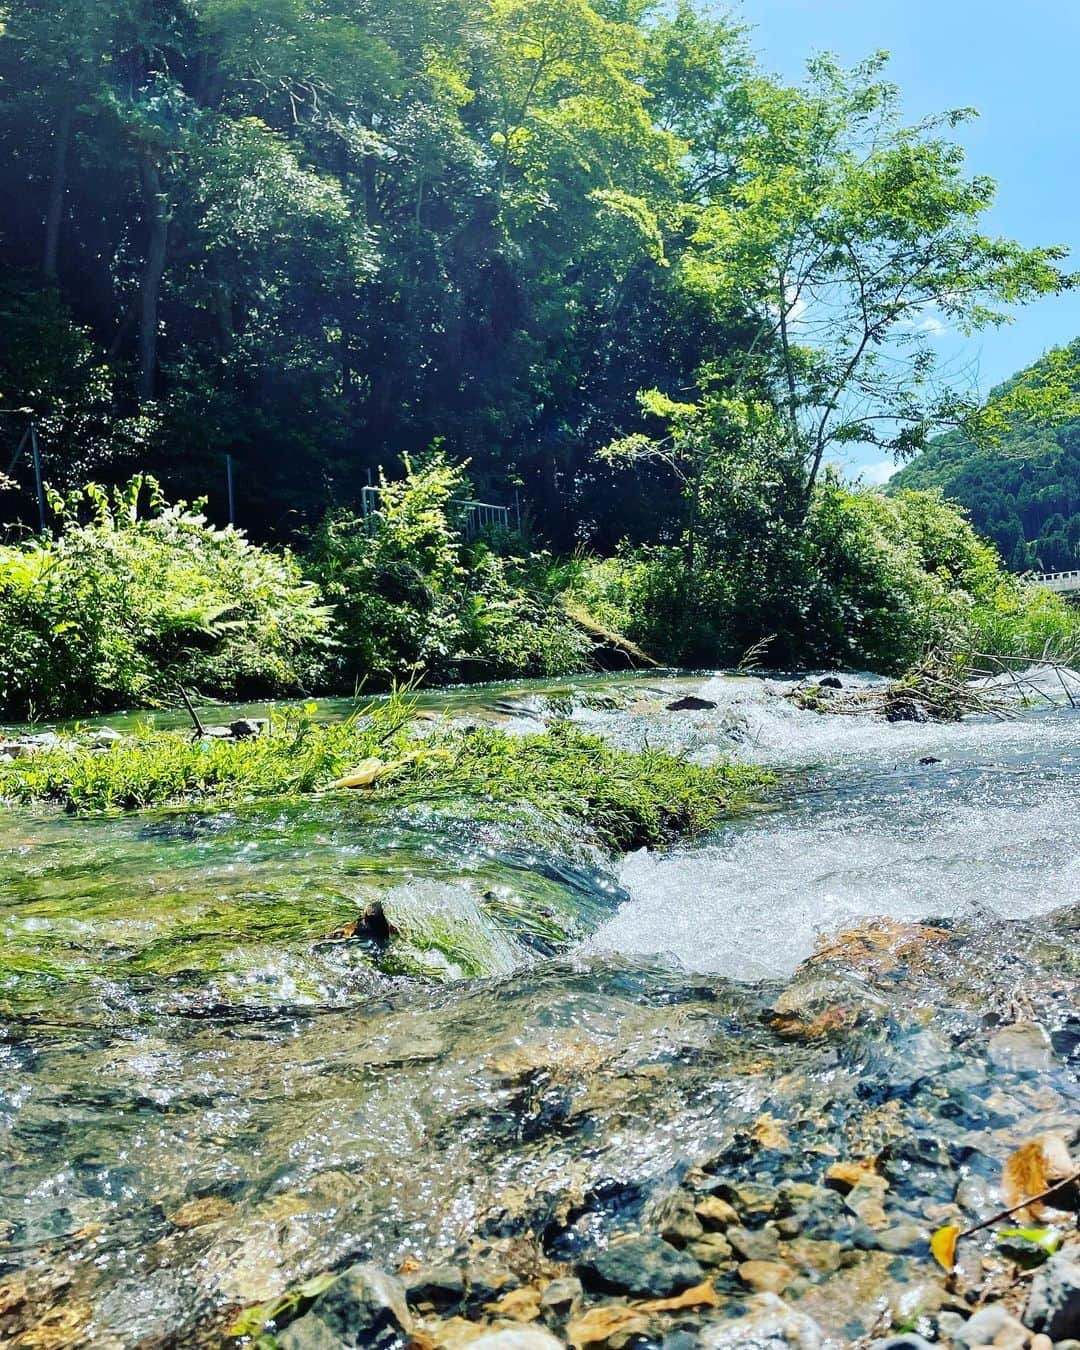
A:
150,283
54,212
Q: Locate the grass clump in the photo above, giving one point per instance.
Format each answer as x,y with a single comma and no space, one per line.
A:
627,799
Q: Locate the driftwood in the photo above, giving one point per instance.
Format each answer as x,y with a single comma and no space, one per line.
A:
945,689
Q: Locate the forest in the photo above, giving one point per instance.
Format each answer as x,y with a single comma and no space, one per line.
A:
585,260
1023,490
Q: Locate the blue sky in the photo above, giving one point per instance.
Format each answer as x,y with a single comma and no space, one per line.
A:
1019,65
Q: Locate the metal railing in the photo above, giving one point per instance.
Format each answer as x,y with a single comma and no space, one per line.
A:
1059,581
476,516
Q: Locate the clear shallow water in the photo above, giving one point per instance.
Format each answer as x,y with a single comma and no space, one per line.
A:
204,1096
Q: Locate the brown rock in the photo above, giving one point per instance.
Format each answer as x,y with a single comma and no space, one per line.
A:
766,1277
715,1213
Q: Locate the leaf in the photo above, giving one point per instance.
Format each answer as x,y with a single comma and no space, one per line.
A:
1033,1169
1049,1239
943,1246
700,1296
366,773
600,1324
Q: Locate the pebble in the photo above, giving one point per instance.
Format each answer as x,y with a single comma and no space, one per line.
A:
646,1267
711,1250
364,1306
904,1237
441,1286
766,1277
561,1298
993,1325
715,1212
525,1338
1053,1305
1023,1047
770,1326
760,1245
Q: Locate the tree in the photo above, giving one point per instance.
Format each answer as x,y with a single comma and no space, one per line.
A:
851,237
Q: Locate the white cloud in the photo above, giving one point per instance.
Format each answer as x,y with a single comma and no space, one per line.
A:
879,472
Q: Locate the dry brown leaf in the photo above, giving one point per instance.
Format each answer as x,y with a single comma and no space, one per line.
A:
520,1305
702,1295
943,1247
1032,1169
599,1324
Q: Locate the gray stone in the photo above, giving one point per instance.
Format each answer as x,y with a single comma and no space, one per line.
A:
105,737
440,1286
675,1220
560,1298
762,1245
903,1237
647,1267
1023,1047
909,1341
1053,1305
995,1325
364,1306
309,1333
246,727
772,1325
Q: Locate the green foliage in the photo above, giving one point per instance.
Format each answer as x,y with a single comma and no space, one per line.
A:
122,608
1021,483
868,582
412,593
629,800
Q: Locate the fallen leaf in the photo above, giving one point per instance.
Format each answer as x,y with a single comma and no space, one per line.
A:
1034,1168
943,1247
701,1296
366,773
600,1324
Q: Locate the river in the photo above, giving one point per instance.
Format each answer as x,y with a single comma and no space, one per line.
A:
206,1095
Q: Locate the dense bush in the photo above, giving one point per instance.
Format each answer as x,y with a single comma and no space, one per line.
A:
865,582
411,593
122,608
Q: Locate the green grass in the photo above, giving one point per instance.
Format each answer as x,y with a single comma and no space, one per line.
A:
627,799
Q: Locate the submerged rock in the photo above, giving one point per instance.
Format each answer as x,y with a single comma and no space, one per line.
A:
772,1325
1053,1306
363,1307
523,1338
691,703
647,1267
1023,1047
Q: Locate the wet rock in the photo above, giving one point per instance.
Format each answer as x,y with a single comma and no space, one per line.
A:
976,1196
691,703
772,1325
560,1299
1053,1305
908,1341
927,760
363,1307
647,1267
748,1197
830,682
865,1200
309,1333
675,1220
488,1281
711,1250
766,1277
517,1338
245,728
760,1245
823,1257
217,733
1023,1047
905,711
105,738
993,1325
903,1237
439,1287
715,1212
843,1176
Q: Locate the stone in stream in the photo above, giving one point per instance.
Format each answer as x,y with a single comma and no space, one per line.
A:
517,1338
992,1325
830,682
772,1325
1023,1047
441,1287
246,727
675,1220
1053,1305
645,1267
691,703
363,1307
560,1299
762,1245
908,1341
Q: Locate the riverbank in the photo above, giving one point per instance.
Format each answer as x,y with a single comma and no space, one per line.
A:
231,1064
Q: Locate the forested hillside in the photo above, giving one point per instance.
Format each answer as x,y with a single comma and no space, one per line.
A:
1023,490
584,258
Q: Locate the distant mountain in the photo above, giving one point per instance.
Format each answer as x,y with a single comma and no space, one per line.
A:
1024,493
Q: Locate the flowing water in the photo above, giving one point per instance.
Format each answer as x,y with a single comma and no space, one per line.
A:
209,1092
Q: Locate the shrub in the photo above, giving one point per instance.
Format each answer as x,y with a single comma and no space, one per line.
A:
866,582
120,610
412,593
